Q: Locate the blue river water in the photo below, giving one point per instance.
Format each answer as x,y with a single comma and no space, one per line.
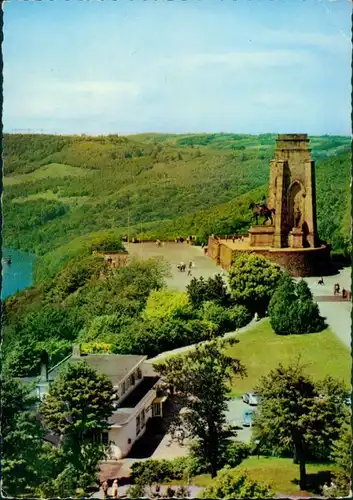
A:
17,275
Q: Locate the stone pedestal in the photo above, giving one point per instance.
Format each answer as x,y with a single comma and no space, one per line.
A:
261,236
296,238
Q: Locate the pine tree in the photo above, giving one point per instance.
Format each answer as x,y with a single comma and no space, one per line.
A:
281,306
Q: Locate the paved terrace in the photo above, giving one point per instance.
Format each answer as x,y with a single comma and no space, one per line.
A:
337,312
174,253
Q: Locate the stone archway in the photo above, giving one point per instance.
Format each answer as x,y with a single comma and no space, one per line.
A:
296,194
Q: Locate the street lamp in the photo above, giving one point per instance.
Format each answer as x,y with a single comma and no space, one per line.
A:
257,442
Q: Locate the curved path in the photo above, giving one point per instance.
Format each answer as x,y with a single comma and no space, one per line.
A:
186,348
337,312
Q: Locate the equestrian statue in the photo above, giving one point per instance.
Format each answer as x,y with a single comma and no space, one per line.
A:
261,210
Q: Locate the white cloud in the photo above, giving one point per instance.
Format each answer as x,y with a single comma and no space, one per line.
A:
85,99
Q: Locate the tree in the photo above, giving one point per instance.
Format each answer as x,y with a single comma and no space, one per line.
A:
253,280
79,400
296,413
76,273
214,289
280,308
77,408
22,434
200,384
306,312
293,310
231,483
196,291
342,456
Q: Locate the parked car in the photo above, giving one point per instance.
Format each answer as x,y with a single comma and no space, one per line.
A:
248,418
251,399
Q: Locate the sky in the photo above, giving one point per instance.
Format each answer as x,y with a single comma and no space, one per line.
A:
122,66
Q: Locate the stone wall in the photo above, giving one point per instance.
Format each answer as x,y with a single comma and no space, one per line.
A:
313,262
298,262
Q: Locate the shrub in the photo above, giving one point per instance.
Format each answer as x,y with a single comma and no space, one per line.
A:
235,453
293,310
136,490
231,483
226,320
157,471
152,471
239,316
96,347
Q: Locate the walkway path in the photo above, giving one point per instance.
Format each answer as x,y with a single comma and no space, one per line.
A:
337,313
190,347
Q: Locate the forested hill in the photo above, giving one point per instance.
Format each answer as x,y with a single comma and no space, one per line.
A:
58,188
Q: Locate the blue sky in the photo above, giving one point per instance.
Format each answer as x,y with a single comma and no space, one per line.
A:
244,66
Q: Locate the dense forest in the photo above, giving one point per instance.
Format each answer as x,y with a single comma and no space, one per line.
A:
60,192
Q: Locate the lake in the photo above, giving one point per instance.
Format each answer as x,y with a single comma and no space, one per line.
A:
17,275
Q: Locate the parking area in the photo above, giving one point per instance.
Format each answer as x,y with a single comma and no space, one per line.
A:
236,409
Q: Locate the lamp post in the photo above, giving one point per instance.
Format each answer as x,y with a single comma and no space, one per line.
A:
257,442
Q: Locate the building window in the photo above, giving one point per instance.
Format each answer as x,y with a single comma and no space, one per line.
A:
132,379
156,410
138,425
143,418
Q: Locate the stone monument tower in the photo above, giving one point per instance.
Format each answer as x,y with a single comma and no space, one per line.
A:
290,239
292,194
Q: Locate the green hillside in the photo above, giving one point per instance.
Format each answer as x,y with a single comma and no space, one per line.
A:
61,188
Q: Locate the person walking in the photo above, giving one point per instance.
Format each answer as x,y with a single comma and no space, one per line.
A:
105,488
115,489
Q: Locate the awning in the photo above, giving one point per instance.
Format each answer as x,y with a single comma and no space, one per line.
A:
161,399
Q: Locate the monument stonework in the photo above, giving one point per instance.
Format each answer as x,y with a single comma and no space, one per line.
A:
291,238
292,197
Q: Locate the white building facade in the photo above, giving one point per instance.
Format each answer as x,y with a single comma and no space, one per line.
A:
138,395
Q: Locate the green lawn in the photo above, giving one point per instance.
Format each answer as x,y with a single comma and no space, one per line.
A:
261,350
279,473
51,170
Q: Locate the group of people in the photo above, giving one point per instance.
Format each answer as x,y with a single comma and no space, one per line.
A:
189,239
346,294
115,489
182,267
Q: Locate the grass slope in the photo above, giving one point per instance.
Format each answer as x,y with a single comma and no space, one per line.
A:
261,350
61,187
